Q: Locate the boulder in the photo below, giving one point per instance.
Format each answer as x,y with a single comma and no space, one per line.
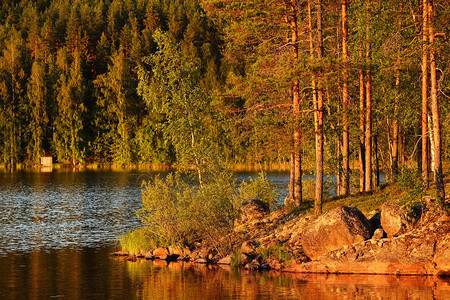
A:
339,227
201,261
252,266
248,247
161,253
378,234
204,253
253,209
225,261
424,250
396,220
274,263
289,201
176,251
245,259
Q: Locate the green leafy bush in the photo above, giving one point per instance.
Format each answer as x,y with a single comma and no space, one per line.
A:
259,188
176,212
179,213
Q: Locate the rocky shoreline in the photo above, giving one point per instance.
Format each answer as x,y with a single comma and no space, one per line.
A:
395,241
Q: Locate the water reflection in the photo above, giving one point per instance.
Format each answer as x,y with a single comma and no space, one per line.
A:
91,274
193,281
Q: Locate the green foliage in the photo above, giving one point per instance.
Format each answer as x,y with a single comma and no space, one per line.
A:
68,134
412,188
309,186
411,183
278,250
172,88
91,102
116,98
259,188
178,213
37,95
12,94
236,258
138,241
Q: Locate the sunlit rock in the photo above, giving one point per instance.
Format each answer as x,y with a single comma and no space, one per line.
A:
341,226
397,220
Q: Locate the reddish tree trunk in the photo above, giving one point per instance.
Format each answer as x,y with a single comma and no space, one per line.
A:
345,132
424,125
319,120
368,132
362,124
438,176
395,129
296,108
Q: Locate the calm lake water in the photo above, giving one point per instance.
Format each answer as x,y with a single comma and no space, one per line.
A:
58,228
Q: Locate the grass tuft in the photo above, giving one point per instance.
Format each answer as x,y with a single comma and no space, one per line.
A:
138,241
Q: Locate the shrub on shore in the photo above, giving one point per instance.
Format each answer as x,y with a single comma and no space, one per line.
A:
176,212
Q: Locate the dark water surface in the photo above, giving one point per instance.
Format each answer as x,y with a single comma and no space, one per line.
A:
58,228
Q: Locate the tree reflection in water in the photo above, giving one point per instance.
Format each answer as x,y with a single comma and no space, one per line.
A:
193,281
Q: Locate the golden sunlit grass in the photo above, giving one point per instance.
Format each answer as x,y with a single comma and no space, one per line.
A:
138,241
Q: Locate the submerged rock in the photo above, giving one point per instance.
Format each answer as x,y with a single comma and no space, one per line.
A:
341,226
252,266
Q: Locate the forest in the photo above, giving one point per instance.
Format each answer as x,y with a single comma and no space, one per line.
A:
351,88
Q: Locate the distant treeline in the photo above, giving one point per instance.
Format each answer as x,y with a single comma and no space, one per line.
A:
71,78
68,77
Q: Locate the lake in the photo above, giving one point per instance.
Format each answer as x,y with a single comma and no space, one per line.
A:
58,229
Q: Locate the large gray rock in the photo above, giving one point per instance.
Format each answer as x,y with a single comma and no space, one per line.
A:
396,220
339,227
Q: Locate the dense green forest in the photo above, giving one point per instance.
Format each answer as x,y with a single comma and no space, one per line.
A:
330,85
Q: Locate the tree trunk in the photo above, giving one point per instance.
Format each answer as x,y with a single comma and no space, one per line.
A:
419,145
431,145
339,191
377,164
424,116
345,132
296,108
394,167
292,176
438,176
368,132
319,119
362,123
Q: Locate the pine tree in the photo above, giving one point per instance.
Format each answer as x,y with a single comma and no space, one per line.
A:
37,97
116,88
68,135
12,93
